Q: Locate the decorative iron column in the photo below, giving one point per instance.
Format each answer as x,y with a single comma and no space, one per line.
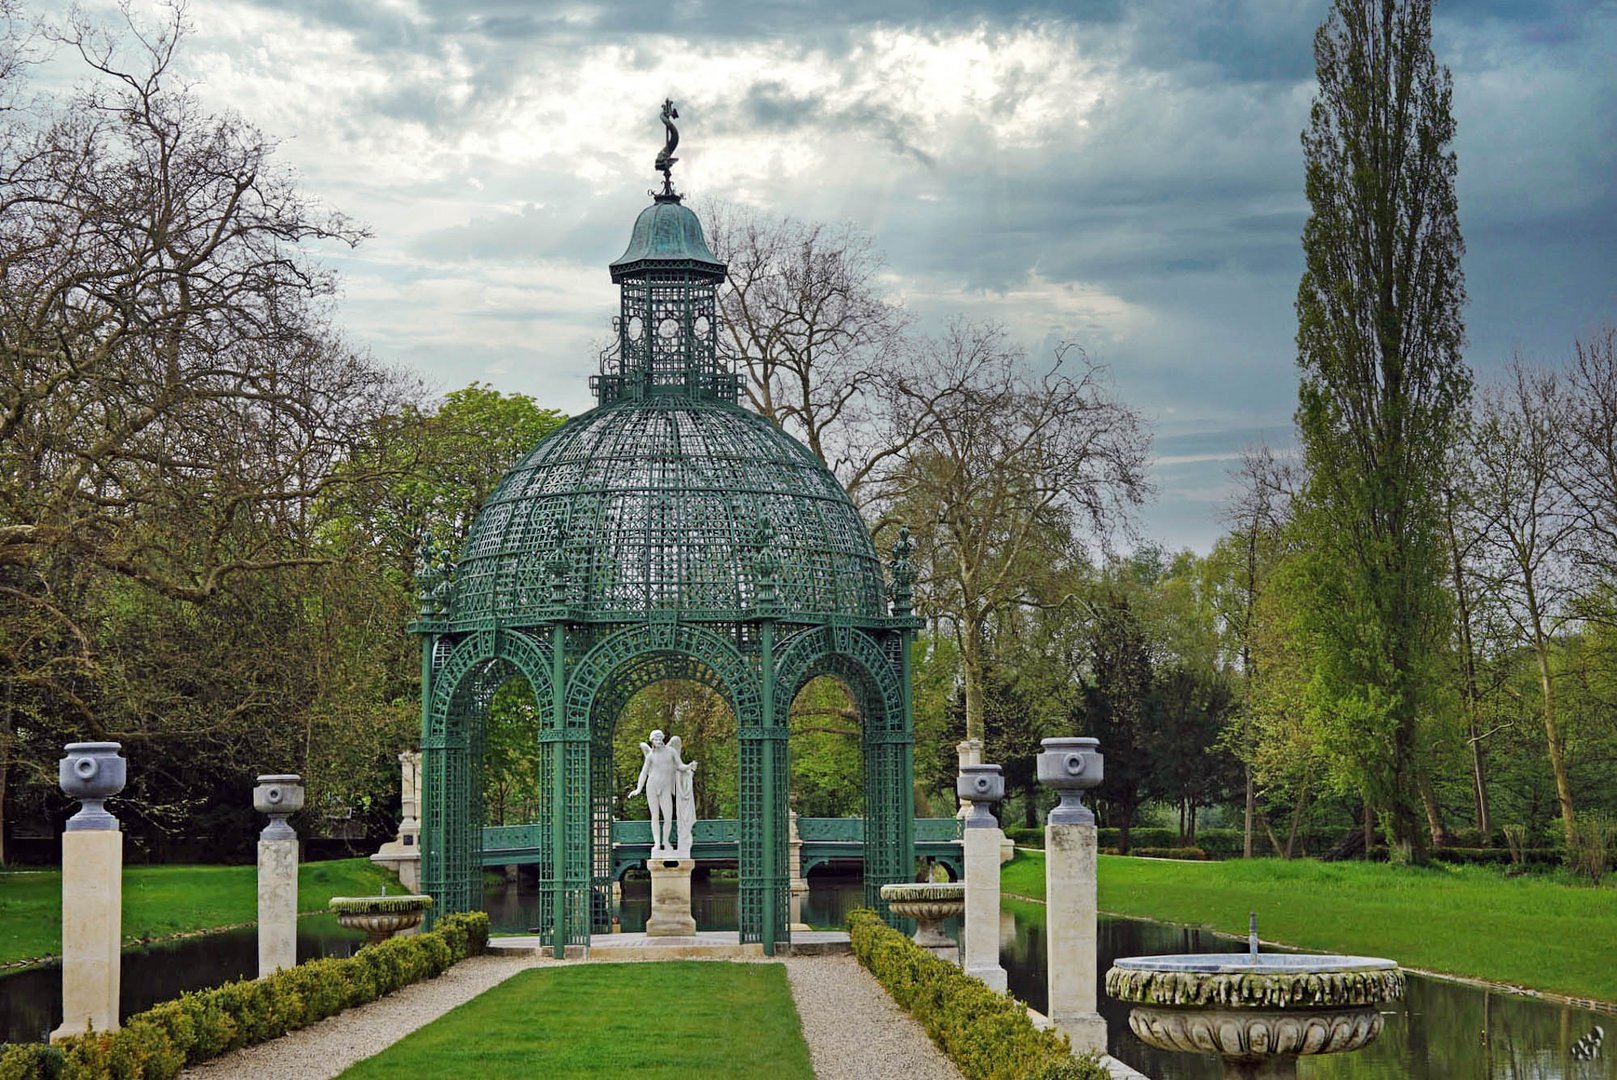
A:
433,577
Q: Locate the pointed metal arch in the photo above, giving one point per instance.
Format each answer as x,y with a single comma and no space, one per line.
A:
874,678
463,676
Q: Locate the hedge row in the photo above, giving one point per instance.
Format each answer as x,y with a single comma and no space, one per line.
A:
1217,843
197,1026
987,1035
1189,854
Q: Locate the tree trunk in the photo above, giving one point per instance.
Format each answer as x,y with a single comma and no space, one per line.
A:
1296,819
1123,826
1468,681
971,671
1369,828
1552,736
1275,846
1434,812
1251,813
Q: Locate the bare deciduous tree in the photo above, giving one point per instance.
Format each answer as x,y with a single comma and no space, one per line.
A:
1009,463
172,395
1526,526
807,322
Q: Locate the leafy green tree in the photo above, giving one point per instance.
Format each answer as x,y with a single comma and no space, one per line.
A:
1383,387
1112,707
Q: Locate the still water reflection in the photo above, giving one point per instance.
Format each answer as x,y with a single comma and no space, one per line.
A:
31,1000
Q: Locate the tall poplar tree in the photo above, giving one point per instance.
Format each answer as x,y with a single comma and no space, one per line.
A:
1383,384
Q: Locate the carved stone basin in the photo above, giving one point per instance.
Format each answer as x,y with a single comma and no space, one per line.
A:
1258,1012
929,904
380,916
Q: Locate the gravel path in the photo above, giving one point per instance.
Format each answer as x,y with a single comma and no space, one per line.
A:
321,1051
854,1030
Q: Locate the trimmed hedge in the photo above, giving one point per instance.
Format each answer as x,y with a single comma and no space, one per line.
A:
202,1024
1190,854
987,1035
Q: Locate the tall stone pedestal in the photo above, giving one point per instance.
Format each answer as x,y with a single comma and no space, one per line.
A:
982,786
92,890
1069,891
968,752
92,926
670,898
1071,766
278,796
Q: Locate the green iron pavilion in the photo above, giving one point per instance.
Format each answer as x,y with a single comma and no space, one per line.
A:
668,533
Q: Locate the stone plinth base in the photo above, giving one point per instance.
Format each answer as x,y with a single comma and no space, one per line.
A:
980,944
1070,934
404,860
1086,1031
670,898
277,905
92,925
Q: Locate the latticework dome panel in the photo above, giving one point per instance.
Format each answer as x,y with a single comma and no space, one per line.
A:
667,503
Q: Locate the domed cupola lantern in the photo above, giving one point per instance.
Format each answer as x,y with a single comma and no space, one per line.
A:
668,533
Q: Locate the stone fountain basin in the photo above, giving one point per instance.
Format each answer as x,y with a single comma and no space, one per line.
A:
936,900
1250,1008
380,916
928,903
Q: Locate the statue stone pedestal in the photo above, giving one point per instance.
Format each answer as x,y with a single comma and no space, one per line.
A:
402,854
670,898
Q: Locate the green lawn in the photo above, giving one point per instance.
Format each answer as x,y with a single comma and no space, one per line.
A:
675,1019
160,901
1463,920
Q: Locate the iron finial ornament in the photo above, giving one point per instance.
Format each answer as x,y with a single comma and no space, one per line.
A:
666,159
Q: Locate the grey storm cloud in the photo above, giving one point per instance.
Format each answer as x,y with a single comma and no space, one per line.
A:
1173,198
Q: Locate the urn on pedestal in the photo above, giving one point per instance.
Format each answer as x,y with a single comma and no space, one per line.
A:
92,772
982,786
278,796
1070,767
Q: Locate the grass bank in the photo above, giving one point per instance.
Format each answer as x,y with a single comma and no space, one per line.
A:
674,1019
162,901
1462,920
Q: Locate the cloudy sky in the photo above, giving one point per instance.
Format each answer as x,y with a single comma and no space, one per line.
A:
1123,175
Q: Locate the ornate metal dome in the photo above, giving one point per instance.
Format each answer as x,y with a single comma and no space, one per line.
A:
668,533
667,501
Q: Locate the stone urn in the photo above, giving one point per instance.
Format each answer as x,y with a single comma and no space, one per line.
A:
1070,767
279,796
1259,1013
929,904
92,772
982,786
380,916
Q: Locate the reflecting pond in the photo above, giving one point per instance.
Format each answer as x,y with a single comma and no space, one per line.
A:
1440,1031
31,999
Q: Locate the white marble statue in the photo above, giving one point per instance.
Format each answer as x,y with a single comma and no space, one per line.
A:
663,777
684,796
